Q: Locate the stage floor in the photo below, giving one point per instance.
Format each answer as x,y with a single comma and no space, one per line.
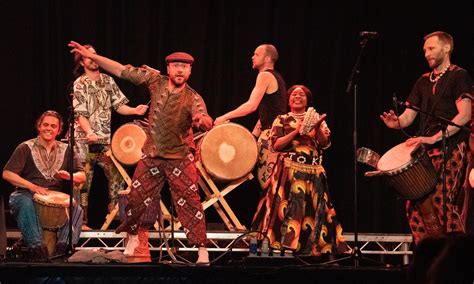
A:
232,272
384,259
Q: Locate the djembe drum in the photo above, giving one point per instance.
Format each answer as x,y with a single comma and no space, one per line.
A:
408,169
53,213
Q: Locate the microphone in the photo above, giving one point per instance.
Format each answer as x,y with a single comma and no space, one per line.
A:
396,102
368,35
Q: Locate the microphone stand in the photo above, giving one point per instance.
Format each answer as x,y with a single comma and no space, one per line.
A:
443,122
352,85
71,142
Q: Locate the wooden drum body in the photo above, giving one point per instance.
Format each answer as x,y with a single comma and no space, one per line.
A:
52,209
409,170
228,152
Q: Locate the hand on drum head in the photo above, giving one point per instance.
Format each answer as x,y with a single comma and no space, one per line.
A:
419,140
220,120
39,190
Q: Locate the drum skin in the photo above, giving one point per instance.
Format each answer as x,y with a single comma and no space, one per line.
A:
52,209
127,143
228,152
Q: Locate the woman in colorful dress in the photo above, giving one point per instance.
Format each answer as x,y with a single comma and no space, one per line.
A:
295,211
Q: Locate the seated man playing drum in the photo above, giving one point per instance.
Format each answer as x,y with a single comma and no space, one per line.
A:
38,168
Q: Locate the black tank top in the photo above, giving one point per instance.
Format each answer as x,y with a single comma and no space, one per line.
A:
273,104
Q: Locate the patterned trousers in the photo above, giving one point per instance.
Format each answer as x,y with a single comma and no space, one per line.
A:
455,175
116,182
148,180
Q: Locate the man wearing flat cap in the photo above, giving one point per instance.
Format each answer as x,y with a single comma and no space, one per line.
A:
175,108
179,57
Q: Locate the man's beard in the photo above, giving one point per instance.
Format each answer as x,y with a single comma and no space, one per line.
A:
90,68
437,62
178,83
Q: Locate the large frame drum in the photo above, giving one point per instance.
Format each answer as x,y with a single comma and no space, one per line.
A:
228,152
127,143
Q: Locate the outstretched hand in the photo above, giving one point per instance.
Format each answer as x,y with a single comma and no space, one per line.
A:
390,119
77,48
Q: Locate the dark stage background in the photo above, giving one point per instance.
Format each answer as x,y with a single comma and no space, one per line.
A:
318,43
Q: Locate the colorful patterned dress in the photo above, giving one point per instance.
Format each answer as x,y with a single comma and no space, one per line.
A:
295,211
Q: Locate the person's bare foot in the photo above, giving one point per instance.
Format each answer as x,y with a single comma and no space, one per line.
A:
203,256
132,244
86,228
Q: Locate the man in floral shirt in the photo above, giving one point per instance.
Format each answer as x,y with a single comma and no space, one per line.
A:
95,95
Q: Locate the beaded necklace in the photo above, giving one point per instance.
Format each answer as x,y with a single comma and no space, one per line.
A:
299,116
436,79
439,75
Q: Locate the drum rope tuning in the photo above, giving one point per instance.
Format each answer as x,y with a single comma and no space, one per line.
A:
408,169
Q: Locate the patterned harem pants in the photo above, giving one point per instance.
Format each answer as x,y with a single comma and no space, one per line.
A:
148,180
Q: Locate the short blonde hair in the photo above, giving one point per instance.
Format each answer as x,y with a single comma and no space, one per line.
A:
444,37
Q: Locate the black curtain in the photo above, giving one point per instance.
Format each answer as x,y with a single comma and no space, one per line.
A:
318,42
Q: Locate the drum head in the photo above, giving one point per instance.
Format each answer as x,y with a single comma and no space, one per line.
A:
228,152
127,143
54,198
396,157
